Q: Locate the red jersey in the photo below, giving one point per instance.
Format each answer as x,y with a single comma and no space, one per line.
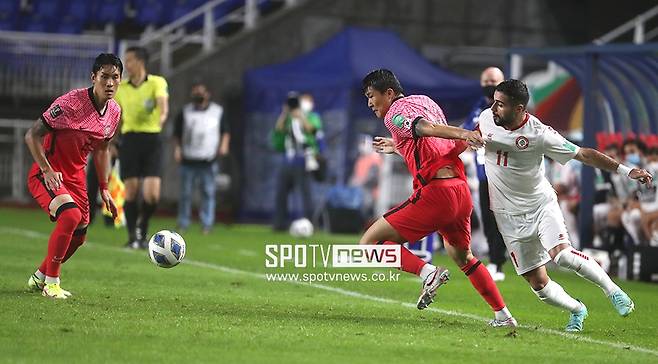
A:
424,155
77,128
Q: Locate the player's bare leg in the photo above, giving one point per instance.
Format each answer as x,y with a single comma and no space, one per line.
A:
481,280
381,232
551,292
567,257
130,209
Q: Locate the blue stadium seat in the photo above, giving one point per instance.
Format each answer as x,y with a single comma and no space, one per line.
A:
7,20
152,12
180,8
109,11
69,25
10,6
227,7
47,8
79,9
36,23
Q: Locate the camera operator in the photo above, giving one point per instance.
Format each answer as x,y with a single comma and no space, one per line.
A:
295,136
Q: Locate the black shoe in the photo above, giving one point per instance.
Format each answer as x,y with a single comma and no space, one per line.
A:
142,244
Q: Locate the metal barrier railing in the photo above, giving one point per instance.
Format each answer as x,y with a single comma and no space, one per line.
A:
15,159
42,65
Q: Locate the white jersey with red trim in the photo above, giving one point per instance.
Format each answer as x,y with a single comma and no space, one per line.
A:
514,163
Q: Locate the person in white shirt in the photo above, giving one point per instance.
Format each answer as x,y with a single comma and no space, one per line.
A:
525,204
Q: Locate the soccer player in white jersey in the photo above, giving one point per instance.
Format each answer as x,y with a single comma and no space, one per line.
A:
525,204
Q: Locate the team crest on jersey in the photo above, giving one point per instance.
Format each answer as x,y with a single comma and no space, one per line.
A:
522,142
56,111
398,120
106,131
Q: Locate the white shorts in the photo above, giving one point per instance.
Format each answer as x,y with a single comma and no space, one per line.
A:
530,236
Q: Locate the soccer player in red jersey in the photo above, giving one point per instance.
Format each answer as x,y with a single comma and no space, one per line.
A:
441,200
77,123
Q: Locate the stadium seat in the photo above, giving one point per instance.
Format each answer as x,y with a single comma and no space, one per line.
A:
109,11
69,25
7,21
36,23
10,6
47,8
152,12
180,8
79,9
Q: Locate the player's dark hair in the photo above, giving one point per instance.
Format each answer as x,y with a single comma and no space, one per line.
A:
515,90
637,142
140,53
107,59
381,80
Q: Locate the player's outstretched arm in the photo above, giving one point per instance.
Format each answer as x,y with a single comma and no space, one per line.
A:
596,159
424,128
102,163
34,141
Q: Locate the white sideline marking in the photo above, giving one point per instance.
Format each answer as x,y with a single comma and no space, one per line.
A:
617,345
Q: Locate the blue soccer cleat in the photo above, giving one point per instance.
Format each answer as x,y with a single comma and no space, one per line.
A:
576,320
622,303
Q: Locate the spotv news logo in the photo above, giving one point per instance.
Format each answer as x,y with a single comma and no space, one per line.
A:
340,256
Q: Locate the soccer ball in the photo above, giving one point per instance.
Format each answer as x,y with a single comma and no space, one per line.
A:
166,248
301,228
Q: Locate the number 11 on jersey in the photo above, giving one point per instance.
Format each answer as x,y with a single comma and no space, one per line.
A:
502,156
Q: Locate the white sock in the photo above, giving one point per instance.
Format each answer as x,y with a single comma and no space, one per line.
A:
503,314
587,268
554,295
39,275
426,270
51,280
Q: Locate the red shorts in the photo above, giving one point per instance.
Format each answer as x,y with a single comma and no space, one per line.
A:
443,205
44,196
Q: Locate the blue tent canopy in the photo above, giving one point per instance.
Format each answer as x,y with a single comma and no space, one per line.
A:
332,73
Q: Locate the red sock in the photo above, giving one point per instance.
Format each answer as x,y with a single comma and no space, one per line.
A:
480,278
77,240
60,238
410,262
44,265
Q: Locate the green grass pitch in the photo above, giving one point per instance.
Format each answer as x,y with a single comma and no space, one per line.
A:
218,308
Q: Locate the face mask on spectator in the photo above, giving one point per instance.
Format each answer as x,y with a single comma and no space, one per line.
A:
306,105
634,159
198,99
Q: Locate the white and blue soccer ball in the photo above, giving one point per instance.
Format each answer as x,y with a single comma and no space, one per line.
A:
166,248
301,228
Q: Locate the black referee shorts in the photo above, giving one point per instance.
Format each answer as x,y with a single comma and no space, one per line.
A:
140,155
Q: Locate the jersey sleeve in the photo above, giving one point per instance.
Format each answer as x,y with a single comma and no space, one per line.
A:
401,119
557,147
161,88
60,113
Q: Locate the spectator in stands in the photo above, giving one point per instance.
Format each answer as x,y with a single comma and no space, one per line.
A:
144,101
294,135
200,136
489,79
634,151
